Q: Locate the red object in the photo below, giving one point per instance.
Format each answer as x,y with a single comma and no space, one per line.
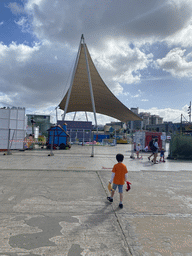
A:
128,186
146,137
150,135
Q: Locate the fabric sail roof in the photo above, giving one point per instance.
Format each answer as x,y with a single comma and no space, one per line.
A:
105,101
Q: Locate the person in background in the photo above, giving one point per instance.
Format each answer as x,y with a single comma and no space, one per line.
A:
162,157
156,151
138,148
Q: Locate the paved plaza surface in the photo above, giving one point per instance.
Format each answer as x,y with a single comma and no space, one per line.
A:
56,205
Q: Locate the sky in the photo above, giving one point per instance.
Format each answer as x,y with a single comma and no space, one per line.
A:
142,50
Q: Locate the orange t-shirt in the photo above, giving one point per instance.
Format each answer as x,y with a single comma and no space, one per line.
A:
120,170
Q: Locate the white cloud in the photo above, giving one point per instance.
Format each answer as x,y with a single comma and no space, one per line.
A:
176,63
66,20
168,114
138,95
16,8
1,23
23,22
183,37
5,99
34,73
117,62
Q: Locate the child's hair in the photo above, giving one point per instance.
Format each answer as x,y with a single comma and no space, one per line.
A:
119,157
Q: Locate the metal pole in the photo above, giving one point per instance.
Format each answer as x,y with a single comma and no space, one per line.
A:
92,154
90,84
8,145
72,79
181,125
74,116
132,148
51,153
12,139
56,114
91,92
86,116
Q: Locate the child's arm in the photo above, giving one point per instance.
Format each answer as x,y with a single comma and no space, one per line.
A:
126,176
112,177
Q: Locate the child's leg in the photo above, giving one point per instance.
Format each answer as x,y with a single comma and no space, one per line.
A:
155,158
150,156
110,198
120,193
112,193
121,198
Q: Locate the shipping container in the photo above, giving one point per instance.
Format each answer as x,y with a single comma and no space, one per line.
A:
58,137
12,128
144,137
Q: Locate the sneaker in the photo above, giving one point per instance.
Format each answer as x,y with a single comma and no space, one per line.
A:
121,206
110,199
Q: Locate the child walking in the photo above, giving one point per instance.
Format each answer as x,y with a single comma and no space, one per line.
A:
118,177
162,157
138,149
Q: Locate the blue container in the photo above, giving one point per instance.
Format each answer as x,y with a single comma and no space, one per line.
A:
100,137
58,135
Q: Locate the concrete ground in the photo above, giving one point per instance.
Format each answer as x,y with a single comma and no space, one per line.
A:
56,205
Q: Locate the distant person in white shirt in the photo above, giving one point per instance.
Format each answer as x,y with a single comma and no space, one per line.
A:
138,149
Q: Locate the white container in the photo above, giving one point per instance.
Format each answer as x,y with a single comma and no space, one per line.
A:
13,120
139,138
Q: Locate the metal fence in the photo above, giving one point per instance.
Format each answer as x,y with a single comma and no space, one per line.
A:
80,135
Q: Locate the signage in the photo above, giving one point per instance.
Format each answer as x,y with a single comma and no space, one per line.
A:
163,137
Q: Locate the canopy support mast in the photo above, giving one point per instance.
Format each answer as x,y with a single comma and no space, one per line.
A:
72,79
90,83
